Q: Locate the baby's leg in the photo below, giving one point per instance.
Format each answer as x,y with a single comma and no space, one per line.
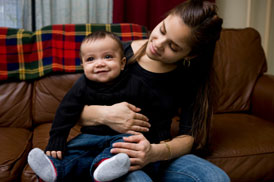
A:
75,165
108,166
42,165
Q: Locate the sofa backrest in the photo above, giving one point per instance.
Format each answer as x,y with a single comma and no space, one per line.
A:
15,104
48,93
239,60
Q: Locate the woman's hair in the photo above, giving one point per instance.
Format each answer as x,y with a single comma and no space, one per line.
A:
101,35
201,16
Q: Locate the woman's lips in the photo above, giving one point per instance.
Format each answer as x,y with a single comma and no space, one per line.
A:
154,50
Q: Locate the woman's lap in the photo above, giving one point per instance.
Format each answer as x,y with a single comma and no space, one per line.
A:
192,168
188,168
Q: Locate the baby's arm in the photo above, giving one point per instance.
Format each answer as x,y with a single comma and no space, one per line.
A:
66,117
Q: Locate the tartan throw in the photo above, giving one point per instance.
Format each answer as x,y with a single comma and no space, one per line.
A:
26,55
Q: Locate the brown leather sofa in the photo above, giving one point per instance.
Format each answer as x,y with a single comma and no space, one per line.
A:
242,137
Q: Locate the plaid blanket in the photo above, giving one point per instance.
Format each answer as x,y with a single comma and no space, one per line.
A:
28,55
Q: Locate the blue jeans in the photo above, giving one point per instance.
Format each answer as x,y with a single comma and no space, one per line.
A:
188,168
82,153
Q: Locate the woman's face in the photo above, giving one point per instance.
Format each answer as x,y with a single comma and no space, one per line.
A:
168,40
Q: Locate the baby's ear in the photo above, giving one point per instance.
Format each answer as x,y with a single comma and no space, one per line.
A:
124,61
81,61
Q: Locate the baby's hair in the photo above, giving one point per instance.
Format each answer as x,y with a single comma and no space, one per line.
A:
101,34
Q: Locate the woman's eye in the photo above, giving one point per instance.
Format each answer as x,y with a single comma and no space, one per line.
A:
90,59
173,47
162,31
108,56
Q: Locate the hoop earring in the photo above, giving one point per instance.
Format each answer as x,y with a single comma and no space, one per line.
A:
186,62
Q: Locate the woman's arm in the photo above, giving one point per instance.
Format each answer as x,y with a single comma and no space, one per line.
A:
122,117
141,152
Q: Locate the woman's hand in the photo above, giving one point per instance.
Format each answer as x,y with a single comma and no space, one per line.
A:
138,148
141,152
122,117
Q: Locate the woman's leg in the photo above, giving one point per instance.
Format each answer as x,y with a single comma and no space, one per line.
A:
135,176
192,168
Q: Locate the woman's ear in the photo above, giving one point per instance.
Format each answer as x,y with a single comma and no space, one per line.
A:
123,63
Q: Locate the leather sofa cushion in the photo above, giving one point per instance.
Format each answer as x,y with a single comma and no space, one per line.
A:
239,59
15,144
15,97
48,93
41,135
243,145
263,98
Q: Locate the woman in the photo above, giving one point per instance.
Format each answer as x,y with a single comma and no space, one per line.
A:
185,41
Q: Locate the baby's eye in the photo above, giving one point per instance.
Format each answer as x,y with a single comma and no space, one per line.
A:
108,56
90,59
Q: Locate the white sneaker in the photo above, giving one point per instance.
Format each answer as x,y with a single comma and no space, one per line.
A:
42,165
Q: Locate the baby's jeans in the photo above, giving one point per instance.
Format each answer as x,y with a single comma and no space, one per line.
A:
82,153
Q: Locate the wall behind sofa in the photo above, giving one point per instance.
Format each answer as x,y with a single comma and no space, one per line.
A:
258,14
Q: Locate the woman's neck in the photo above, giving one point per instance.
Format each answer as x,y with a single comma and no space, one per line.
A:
155,66
149,64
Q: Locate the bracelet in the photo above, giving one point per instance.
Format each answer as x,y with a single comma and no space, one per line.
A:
169,150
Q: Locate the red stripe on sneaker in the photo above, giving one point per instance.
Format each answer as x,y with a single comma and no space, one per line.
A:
53,167
98,163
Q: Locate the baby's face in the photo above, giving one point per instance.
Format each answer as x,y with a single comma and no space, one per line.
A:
102,61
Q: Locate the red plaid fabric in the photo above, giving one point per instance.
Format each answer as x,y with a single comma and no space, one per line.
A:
28,55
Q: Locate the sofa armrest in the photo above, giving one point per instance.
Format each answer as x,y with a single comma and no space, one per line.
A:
263,98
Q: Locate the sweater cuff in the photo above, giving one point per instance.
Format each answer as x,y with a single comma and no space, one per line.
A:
57,143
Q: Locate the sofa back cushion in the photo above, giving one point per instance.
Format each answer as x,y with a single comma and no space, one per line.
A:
239,60
15,103
48,93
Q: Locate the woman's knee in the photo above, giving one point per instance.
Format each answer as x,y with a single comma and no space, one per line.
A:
192,168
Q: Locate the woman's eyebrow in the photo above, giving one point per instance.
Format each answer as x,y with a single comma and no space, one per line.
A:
164,26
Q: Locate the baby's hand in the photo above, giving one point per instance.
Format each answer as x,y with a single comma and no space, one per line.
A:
55,154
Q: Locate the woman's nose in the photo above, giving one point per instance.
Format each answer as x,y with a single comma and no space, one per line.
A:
160,43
